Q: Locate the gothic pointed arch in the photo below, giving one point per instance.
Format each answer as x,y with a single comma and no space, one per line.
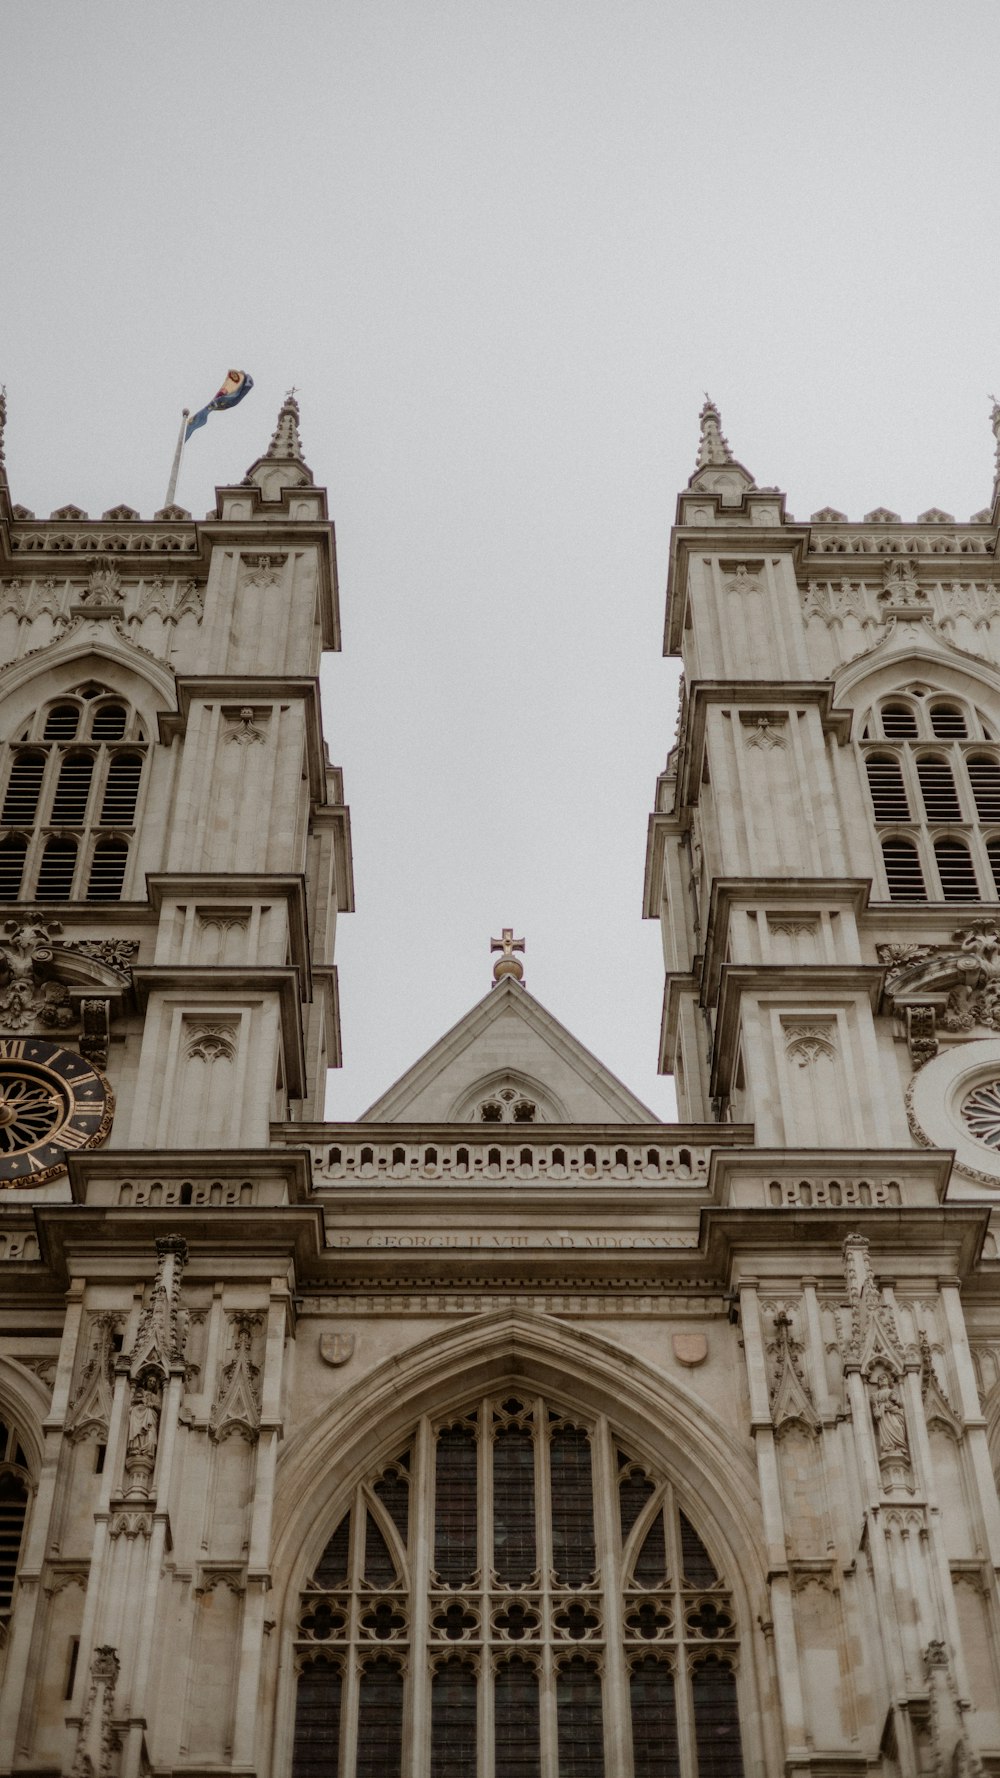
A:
661,1590
112,661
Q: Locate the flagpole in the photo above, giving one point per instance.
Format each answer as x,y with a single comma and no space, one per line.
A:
172,489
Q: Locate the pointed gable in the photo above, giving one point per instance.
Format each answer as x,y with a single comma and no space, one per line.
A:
509,1053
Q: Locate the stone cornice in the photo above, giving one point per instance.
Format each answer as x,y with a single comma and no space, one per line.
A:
204,980
813,982
771,694
241,690
770,892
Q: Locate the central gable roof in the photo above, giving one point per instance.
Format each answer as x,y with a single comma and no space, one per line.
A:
509,1035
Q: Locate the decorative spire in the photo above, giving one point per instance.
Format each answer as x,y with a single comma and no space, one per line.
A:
3,428
286,443
713,445
507,964
283,464
994,422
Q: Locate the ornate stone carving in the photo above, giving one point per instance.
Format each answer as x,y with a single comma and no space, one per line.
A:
952,1751
791,1401
243,729
158,1348
262,570
765,730
90,1404
742,580
979,602
212,1043
806,1044
27,996
938,1410
900,585
873,1347
95,1740
95,1030
337,1347
237,1401
835,601
170,600
967,969
104,585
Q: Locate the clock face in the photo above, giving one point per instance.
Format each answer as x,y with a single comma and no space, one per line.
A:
51,1101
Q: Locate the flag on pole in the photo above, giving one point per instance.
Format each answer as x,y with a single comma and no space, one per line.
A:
237,384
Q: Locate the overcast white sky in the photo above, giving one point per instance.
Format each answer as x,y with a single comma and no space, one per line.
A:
502,247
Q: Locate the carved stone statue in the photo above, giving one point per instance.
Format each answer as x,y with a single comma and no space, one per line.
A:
889,1416
144,1420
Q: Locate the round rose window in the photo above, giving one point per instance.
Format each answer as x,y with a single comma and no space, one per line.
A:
981,1113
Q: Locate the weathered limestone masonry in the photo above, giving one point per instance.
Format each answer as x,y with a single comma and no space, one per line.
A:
824,860
508,1431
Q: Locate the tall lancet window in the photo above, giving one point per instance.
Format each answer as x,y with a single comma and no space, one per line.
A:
69,793
516,1595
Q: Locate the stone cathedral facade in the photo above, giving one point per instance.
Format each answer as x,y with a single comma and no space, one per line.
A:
509,1432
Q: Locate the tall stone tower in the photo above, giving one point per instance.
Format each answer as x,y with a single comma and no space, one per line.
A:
824,861
174,849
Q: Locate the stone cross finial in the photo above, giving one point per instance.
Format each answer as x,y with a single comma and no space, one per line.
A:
713,445
507,964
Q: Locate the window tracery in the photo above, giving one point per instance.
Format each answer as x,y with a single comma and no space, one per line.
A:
15,1483
478,1586
68,796
936,807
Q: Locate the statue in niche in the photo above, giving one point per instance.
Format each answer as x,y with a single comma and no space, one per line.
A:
144,1420
889,1416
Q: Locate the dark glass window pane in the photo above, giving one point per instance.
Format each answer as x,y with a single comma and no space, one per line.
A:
580,1721
380,1568
633,1493
109,723
332,1570
394,1492
455,1505
515,1706
316,1747
23,789
514,1505
992,850
651,1562
121,790
62,722
655,1753
453,1721
885,781
380,1721
55,873
12,855
984,775
716,1721
574,1557
902,869
956,870
107,871
73,789
937,787
13,1506
699,1570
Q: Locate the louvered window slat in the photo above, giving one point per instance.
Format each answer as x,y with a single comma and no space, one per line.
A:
984,776
902,868
948,722
62,722
55,873
121,790
899,722
888,792
13,851
937,787
109,723
107,871
956,871
69,805
24,786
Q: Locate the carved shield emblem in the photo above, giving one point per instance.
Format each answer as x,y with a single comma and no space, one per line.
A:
336,1348
690,1348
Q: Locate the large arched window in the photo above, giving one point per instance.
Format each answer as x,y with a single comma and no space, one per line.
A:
69,790
936,807
521,1595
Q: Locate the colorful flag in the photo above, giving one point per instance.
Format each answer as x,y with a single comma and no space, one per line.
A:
237,384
